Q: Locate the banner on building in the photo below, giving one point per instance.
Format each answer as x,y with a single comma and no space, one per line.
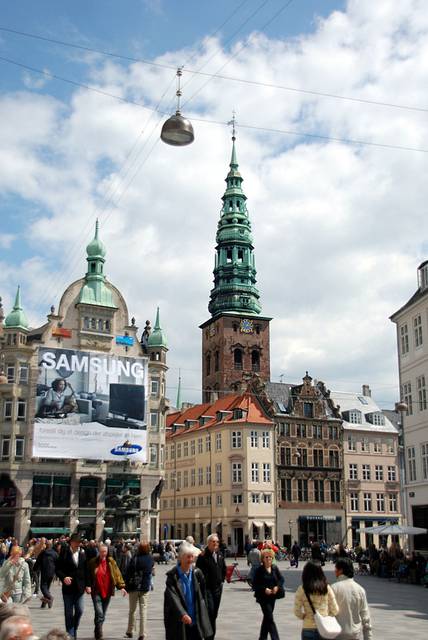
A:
91,441
84,398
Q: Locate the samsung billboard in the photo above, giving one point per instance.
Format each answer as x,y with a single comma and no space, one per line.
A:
90,405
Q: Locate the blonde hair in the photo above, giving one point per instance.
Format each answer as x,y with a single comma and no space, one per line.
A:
267,553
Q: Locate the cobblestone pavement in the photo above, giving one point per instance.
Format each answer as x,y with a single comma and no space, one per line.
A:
397,609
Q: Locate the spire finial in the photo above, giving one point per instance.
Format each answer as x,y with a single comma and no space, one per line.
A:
179,390
233,122
97,227
157,323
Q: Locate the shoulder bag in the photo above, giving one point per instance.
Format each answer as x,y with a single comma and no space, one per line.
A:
8,593
327,626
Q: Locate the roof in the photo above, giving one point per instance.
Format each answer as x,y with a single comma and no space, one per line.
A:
253,413
280,394
17,319
348,401
418,295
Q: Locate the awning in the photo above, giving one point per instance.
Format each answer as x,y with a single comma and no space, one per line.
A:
257,523
62,481
269,524
42,480
62,531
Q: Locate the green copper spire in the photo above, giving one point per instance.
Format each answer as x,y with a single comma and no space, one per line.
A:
95,290
235,288
178,403
157,337
17,318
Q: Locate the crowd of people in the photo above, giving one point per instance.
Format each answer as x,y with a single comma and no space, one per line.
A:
194,585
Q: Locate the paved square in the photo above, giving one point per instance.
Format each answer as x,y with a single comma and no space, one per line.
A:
397,610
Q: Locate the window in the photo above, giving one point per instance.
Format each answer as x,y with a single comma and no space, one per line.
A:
392,474
366,472
178,482
422,393
185,479
334,490
185,449
10,373
378,472
154,420
407,395
390,446
354,502
237,498
301,431
284,429
200,476
308,409
333,458
378,418
355,417
217,360
236,439
367,502
404,339
218,473
319,490
7,407
218,441
352,445
208,364
424,455
286,490
41,492
393,502
365,445
154,388
255,360
417,330
317,431
318,457
302,457
193,501
255,498
192,447
207,443
267,498
19,447
266,472
185,504
285,456
254,439
265,440
411,463
302,490
333,433
219,500
23,373
200,445
192,477
178,450
237,358
208,475
236,473
254,472
353,472
5,448
380,502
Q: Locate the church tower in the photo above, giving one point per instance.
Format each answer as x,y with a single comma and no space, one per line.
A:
235,340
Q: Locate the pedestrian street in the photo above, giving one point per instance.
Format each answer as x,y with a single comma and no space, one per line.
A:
397,610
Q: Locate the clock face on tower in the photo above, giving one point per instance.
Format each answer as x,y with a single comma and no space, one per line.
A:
246,326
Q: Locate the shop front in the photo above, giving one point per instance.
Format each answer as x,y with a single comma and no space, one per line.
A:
317,528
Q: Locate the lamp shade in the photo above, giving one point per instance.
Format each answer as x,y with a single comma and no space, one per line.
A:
177,131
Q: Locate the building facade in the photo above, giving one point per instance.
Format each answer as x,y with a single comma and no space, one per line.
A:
235,340
371,466
412,346
219,473
50,496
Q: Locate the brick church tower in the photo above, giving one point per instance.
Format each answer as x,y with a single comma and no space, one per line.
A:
235,340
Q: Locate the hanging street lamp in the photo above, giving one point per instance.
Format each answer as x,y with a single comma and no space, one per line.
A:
177,131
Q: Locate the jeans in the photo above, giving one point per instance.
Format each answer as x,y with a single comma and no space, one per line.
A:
140,598
268,623
310,634
213,602
100,608
73,610
45,586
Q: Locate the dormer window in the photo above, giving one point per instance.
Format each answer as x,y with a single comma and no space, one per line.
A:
355,417
377,418
423,276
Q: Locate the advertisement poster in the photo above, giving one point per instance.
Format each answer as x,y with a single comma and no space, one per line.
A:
90,405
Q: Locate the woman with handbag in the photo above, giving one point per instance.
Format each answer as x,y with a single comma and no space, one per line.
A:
15,583
138,579
316,605
268,587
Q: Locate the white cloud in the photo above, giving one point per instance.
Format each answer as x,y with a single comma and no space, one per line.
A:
338,229
6,240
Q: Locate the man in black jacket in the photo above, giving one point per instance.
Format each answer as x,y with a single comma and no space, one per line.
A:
45,563
213,566
71,569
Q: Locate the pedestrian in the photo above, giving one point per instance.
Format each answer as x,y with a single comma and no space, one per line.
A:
314,592
211,563
56,634
15,582
104,578
354,613
268,586
316,553
45,564
185,608
71,569
16,628
295,554
254,560
9,610
138,581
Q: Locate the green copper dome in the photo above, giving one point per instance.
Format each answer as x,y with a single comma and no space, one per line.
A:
17,318
95,290
157,337
96,247
235,288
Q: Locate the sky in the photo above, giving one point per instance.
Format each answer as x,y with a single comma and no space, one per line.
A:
339,227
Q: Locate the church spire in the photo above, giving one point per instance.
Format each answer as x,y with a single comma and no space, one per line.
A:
235,288
95,291
17,318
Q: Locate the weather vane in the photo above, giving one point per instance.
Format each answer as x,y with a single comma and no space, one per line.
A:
233,122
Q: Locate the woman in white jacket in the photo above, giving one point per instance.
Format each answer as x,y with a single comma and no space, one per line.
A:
15,583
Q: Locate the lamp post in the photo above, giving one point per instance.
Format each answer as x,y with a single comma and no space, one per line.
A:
401,408
290,524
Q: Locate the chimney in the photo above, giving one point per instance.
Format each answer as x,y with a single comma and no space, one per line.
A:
367,391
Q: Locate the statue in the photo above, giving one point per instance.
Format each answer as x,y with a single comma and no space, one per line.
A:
145,336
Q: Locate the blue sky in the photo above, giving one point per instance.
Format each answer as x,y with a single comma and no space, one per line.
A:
327,217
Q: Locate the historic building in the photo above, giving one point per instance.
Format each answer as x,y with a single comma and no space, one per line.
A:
371,465
412,345
219,472
43,496
309,461
235,340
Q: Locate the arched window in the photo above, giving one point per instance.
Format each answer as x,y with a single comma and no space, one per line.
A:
216,361
100,325
86,323
333,458
237,358
255,360
208,364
